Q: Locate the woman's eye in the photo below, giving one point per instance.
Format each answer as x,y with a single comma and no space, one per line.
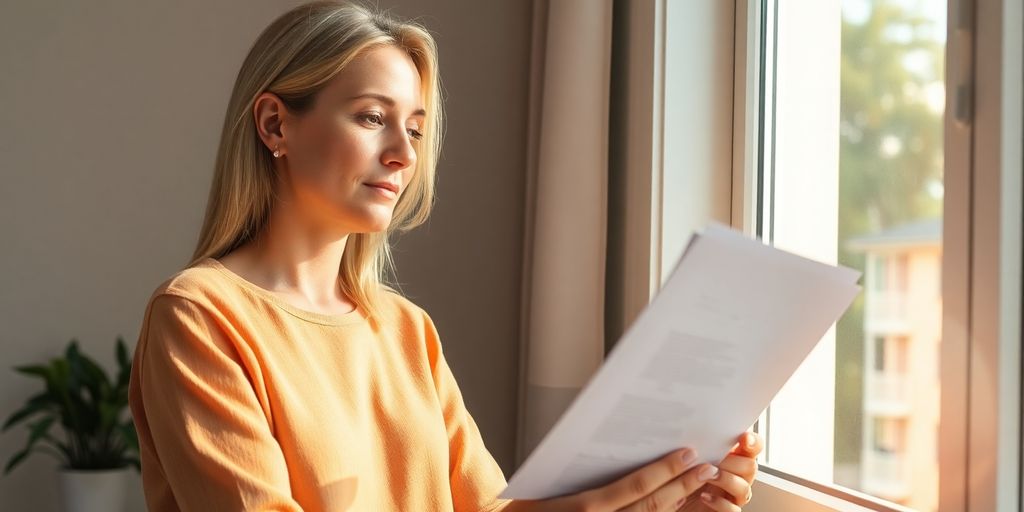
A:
377,119
373,119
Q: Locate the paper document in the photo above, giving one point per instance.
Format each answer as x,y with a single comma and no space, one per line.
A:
730,326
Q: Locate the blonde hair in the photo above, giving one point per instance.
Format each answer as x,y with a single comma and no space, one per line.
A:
294,58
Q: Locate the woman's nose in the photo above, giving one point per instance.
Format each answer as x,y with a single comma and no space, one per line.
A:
399,152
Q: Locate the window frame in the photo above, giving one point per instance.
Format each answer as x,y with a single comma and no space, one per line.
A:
982,307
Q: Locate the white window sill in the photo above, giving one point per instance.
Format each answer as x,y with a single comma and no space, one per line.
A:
773,493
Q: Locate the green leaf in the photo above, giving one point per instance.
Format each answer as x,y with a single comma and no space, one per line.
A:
130,435
85,416
63,447
16,459
40,430
20,456
61,388
92,377
122,353
60,374
37,370
72,348
74,363
22,414
44,398
108,415
125,364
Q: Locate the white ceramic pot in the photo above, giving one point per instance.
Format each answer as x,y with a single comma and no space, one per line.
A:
93,490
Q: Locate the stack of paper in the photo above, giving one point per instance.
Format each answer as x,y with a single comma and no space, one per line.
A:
730,326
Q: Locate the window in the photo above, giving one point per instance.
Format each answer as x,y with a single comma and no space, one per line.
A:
857,119
845,147
891,355
890,437
851,168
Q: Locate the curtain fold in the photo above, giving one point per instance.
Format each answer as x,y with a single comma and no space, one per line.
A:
562,331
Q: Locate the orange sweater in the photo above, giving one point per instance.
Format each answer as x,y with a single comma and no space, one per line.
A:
245,402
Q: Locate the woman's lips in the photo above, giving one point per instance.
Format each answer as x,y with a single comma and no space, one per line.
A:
383,190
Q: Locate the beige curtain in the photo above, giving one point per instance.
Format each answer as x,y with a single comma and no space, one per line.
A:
562,341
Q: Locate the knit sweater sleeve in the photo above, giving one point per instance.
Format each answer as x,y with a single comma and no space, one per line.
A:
475,477
195,394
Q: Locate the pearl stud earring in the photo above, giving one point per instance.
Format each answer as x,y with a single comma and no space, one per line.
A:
277,152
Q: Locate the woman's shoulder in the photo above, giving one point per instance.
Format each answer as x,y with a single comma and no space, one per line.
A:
202,283
398,303
412,321
406,309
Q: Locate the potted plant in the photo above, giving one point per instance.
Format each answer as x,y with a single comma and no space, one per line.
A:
99,445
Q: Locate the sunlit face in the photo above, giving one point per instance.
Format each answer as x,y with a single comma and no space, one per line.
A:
350,157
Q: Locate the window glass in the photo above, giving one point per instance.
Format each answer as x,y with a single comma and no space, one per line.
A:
889,220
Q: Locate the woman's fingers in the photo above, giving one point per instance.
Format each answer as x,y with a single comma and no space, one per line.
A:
749,444
673,494
743,466
736,487
738,470
672,480
718,503
645,481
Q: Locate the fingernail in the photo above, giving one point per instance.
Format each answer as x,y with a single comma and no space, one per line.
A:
707,473
689,457
750,440
706,496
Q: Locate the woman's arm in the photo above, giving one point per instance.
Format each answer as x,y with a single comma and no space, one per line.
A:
205,439
475,478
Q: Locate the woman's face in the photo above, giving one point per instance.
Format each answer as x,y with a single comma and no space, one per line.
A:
348,159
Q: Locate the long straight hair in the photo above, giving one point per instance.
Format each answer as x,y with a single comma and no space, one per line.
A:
294,58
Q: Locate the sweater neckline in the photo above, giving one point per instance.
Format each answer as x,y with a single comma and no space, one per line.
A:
355,316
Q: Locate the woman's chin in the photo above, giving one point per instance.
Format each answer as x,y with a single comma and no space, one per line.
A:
366,220
376,225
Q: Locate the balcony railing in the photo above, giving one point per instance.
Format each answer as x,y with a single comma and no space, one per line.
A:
887,389
886,310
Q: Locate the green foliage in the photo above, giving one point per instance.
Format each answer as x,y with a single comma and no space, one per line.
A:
883,99
87,405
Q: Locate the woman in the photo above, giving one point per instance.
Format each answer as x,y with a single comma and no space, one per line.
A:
277,371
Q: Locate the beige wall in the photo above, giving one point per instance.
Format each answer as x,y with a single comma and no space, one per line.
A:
111,112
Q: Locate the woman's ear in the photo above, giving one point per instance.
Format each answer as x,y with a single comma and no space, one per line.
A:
269,112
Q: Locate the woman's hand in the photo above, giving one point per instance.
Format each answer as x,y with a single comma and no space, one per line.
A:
732,488
668,484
